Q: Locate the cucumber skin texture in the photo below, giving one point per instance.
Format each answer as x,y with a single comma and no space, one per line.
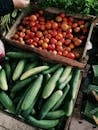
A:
65,74
49,104
44,124
21,84
19,55
55,114
33,71
7,69
68,108
50,86
63,85
74,83
3,80
7,102
66,90
52,69
32,93
19,69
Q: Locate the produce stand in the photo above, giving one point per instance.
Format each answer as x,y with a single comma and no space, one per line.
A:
47,58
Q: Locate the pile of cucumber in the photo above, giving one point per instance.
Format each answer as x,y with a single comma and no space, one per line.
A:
41,93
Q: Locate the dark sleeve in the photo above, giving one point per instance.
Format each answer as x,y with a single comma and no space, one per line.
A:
6,6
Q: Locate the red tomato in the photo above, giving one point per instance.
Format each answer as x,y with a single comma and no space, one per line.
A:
41,19
34,29
42,27
32,24
59,43
44,45
59,53
53,41
48,25
69,36
64,26
62,14
58,19
39,34
65,52
55,25
67,42
35,39
32,34
29,41
70,55
59,48
51,47
77,29
59,36
33,18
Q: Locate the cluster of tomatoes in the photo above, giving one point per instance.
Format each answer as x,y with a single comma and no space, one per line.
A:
60,35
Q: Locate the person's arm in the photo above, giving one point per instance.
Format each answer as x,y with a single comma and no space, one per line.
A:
6,6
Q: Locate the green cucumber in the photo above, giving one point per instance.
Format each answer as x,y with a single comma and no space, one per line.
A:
51,84
21,84
19,69
63,84
68,108
19,55
31,65
74,83
55,114
44,124
3,80
7,69
33,71
52,69
65,74
49,104
7,102
32,93
59,103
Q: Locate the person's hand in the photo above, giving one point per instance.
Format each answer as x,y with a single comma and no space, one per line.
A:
21,3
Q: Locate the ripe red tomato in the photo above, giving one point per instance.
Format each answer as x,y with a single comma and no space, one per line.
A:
62,14
32,24
58,19
54,25
34,29
29,41
33,18
70,55
65,52
67,42
39,34
48,25
53,41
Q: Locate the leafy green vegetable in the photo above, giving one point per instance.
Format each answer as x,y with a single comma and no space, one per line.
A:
73,6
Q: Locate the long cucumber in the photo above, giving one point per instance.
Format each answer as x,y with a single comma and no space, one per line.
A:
52,69
63,84
21,84
44,124
7,69
74,83
33,71
7,102
32,93
49,104
68,107
58,104
65,74
51,84
20,55
19,69
55,114
3,80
